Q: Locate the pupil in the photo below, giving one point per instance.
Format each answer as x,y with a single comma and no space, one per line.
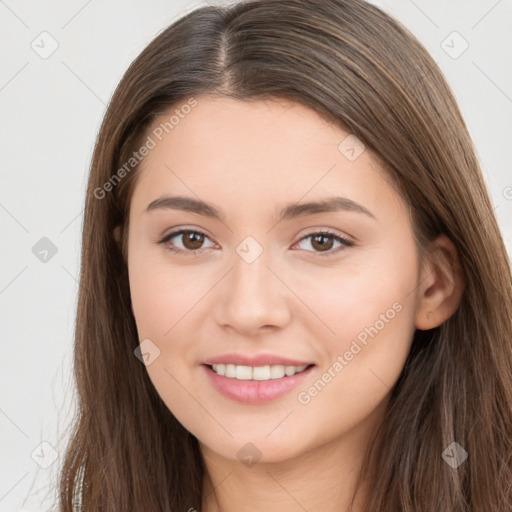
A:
322,245
196,239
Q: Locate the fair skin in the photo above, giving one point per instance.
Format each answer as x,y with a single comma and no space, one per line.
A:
250,159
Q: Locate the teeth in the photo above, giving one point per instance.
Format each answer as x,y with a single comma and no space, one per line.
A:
243,372
277,371
289,370
261,373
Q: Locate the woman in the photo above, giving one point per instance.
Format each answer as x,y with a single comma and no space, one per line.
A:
294,292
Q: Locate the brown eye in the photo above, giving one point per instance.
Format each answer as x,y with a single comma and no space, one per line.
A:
191,241
322,242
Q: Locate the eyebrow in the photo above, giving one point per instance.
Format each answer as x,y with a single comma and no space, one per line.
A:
291,211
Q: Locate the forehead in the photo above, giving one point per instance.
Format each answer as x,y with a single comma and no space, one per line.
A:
255,154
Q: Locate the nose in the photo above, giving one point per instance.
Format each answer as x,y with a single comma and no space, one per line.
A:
252,297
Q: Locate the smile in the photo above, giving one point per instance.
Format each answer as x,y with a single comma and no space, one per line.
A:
255,385
240,372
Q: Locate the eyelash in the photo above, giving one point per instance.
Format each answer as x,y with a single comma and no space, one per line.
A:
344,241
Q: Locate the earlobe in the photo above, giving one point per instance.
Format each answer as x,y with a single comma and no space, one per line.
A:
117,234
441,285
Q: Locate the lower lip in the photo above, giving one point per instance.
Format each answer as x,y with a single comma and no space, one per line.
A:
255,391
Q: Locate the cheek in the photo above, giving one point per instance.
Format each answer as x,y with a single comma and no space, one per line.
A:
359,374
154,302
372,290
162,303
162,295
370,307
367,310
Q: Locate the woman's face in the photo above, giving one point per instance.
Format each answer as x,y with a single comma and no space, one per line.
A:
258,288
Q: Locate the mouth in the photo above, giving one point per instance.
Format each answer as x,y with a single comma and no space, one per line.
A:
257,373
256,385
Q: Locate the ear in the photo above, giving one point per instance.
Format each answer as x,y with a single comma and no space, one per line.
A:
117,234
441,285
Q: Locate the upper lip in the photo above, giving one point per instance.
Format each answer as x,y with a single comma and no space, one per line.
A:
255,360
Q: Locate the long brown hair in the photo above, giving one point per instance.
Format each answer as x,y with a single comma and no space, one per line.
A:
361,69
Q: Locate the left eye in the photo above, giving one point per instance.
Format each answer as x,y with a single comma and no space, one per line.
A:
323,242
192,241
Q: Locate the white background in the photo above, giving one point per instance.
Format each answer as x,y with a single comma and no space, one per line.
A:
51,110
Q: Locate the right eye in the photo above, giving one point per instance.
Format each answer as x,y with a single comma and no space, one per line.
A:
191,241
